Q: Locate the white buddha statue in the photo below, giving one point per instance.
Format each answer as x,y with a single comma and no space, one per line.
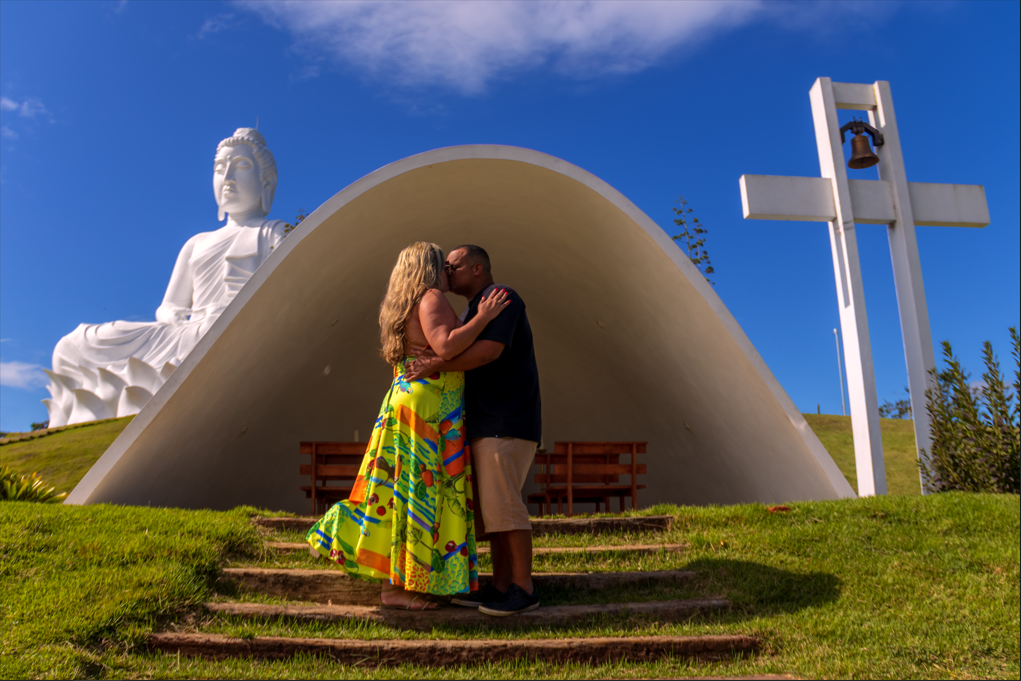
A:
112,369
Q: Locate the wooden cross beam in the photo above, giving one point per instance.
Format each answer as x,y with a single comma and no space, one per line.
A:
893,201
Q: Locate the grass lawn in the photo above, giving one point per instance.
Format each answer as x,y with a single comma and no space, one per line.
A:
78,583
64,458
895,586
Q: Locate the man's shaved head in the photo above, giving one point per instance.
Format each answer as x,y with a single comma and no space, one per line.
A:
475,254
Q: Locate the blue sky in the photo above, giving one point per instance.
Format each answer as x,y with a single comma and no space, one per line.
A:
111,112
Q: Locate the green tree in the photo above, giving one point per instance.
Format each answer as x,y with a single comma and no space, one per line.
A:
691,238
975,432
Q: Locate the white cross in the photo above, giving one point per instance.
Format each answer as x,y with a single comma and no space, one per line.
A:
891,201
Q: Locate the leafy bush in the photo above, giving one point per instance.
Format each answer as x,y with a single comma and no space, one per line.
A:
975,432
14,487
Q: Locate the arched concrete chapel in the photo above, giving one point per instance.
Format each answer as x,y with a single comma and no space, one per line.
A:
631,343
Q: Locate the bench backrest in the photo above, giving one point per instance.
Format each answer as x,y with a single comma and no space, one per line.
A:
592,463
333,460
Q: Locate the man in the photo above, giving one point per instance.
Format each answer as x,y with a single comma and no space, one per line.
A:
504,422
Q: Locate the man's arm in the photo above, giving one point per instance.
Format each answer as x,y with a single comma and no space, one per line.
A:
446,335
478,353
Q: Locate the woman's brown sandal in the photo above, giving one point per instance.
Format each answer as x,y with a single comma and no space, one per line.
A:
426,605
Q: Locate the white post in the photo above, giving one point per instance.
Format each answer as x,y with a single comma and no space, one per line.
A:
861,380
840,374
907,268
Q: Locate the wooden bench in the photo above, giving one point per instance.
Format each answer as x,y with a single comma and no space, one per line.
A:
332,462
587,472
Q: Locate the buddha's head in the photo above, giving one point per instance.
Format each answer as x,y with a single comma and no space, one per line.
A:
244,173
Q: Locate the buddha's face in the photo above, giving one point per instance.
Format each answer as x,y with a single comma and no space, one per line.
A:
236,181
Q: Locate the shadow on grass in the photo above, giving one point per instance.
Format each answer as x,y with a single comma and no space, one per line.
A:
754,588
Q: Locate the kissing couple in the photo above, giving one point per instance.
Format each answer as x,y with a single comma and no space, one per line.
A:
452,445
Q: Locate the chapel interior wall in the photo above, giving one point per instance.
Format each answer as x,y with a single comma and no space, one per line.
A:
627,349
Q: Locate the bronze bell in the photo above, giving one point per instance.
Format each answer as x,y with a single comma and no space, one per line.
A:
861,153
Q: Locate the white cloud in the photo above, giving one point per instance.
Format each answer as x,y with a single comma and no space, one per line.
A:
8,133
29,108
32,107
22,375
220,22
465,45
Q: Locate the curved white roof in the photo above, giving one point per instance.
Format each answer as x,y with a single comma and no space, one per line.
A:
631,343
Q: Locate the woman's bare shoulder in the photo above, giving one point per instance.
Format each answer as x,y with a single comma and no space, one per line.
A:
432,298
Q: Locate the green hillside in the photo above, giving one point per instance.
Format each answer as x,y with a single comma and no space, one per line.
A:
898,450
63,458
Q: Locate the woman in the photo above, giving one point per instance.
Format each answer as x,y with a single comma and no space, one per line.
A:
408,520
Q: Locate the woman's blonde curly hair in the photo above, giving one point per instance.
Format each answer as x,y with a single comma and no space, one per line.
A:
419,268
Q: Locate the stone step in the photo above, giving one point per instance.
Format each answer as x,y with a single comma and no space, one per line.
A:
620,525
452,615
302,547
326,586
449,653
540,526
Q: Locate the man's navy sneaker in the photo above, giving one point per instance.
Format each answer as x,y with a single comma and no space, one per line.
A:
514,602
474,599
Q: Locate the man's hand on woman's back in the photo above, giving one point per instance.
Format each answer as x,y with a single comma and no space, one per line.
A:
478,353
424,365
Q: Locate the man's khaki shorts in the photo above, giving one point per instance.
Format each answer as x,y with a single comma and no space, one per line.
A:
501,466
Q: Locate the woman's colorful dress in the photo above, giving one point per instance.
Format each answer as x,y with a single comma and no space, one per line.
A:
409,518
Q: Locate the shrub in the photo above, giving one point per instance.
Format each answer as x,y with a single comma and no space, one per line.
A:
975,432
14,487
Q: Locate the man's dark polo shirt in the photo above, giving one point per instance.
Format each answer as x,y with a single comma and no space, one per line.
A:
502,398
